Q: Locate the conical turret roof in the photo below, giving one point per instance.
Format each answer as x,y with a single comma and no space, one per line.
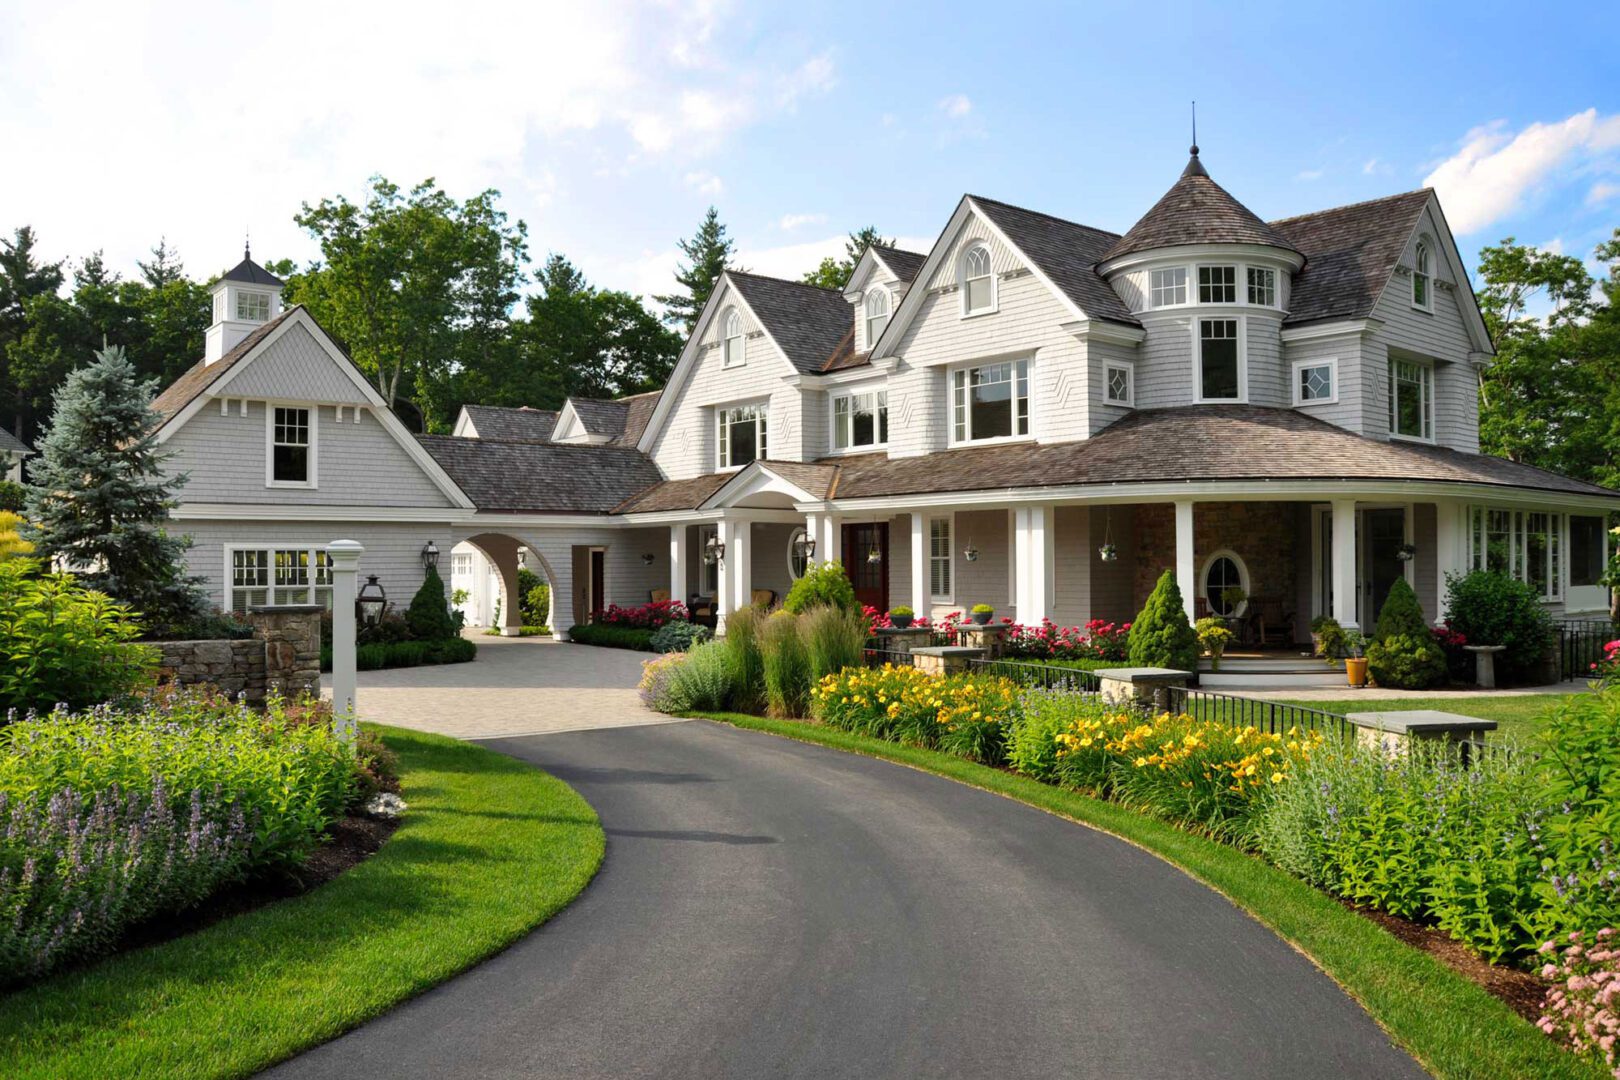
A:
1196,210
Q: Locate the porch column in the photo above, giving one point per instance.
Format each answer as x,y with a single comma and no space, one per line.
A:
919,564
1450,550
1186,559
1033,537
1344,563
677,563
723,530
742,564
830,541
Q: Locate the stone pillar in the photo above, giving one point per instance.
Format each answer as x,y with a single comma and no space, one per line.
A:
1140,687
1344,563
345,556
1186,559
990,638
1032,534
920,590
291,645
1395,731
723,531
944,659
677,562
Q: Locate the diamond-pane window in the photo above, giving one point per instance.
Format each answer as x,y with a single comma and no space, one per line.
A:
1119,385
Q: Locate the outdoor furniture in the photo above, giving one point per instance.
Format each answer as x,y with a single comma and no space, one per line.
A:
1485,664
658,596
700,609
1271,622
765,598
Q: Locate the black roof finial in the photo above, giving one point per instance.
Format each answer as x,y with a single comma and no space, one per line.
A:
1194,150
1194,166
247,244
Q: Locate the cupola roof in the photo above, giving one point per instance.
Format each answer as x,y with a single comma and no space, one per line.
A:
1196,210
251,273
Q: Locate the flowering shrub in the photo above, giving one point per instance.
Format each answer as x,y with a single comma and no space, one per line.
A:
656,675
1607,670
1459,661
1097,640
1583,1004
646,617
962,714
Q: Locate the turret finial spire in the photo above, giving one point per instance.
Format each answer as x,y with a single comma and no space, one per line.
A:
1194,150
247,244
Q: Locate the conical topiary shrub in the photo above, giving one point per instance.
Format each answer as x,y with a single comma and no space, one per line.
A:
1403,653
1161,636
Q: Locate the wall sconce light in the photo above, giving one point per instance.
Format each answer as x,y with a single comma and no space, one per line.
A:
371,602
647,559
430,555
970,553
804,546
713,551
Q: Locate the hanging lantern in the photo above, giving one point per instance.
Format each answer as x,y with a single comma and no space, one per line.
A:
714,550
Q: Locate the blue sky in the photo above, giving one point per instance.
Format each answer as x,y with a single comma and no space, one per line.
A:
610,127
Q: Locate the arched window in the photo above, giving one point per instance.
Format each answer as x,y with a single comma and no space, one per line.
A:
1225,585
1421,283
877,315
732,334
978,283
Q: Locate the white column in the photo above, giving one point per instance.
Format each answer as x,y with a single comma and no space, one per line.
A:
830,544
1033,536
1451,537
920,589
345,556
677,562
1186,559
1344,563
740,554
722,599
506,563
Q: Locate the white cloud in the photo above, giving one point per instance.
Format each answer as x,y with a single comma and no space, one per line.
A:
1309,174
1495,170
183,119
704,182
956,106
790,222
1602,192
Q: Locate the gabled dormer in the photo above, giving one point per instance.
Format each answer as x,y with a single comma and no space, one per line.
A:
876,287
590,422
244,298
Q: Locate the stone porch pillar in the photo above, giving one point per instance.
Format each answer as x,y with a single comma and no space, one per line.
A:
919,564
1032,535
677,562
1344,563
1186,559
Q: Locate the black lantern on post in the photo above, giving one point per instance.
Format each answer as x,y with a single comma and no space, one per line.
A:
714,550
371,602
804,546
430,556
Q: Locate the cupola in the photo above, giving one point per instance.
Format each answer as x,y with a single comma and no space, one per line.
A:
245,298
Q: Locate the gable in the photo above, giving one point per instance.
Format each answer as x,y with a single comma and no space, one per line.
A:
293,367
1003,259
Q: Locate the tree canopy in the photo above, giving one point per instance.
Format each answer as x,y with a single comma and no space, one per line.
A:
835,273
708,255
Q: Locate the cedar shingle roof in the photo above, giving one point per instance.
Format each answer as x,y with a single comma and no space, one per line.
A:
512,425
1196,210
1350,252
639,412
905,264
1066,252
806,321
599,417
10,444
541,477
201,375
1200,442
674,494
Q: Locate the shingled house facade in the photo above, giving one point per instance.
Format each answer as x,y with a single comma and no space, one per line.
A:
1035,414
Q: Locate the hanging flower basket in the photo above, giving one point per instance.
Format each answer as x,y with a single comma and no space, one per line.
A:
1406,552
1108,553
970,553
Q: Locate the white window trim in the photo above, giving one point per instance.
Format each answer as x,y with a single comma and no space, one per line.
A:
1240,292
1129,368
1519,545
1428,403
950,403
1276,285
1240,296
1242,356
1243,580
949,558
1424,246
1329,362
741,337
720,411
1186,287
833,449
876,292
227,581
251,294
990,275
270,480
793,538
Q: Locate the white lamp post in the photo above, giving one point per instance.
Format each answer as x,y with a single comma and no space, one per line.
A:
345,556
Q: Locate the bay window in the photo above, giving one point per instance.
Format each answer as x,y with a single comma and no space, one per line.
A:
1217,284
1522,544
1262,286
1168,287
1220,374
279,577
1411,399
990,402
861,420
742,435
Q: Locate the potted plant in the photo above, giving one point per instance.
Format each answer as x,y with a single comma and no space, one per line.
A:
1323,628
1233,597
1108,553
1213,637
900,617
1355,660
981,614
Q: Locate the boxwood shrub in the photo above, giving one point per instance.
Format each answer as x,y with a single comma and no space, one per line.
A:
612,637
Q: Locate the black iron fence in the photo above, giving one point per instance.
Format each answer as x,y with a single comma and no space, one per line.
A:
1580,645
1272,717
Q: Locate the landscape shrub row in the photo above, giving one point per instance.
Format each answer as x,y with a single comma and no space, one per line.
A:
397,654
115,815
612,637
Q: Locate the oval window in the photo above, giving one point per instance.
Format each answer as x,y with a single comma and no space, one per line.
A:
1224,591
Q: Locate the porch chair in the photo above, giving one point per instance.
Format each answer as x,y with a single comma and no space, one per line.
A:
658,596
1273,624
700,609
763,598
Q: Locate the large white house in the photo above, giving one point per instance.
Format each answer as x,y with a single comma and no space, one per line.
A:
1034,414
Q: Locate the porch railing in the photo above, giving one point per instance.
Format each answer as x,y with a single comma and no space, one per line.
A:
1580,645
1272,717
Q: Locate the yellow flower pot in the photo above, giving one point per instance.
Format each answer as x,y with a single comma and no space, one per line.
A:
1355,670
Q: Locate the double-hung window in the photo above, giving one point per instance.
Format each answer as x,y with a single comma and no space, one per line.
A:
279,577
939,558
1220,375
731,333
977,280
742,435
861,420
990,402
1217,284
1422,281
292,446
1522,544
1168,287
1262,286
877,315
1411,399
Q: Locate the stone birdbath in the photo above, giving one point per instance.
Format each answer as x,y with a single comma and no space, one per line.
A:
1485,664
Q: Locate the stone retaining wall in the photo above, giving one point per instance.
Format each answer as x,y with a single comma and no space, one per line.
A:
284,655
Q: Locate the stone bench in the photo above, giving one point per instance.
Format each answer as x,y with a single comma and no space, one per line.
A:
1394,731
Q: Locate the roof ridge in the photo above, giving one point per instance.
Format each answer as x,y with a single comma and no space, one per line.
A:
785,281
901,250
1044,214
459,439
1354,205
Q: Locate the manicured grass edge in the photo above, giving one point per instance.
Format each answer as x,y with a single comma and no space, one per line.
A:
1454,1028
490,848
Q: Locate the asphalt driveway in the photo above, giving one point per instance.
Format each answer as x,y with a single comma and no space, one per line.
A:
773,909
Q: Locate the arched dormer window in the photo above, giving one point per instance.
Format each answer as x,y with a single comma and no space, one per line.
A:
877,315
1422,281
731,335
977,281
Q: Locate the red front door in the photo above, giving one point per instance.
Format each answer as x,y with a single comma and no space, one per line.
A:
870,577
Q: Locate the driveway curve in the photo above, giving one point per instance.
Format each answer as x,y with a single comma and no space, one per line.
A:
774,909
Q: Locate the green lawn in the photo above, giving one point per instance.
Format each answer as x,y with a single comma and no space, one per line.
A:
1518,717
1454,1028
489,849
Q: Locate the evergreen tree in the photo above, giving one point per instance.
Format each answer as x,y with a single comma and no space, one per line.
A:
101,496
835,273
709,255
1161,636
23,278
165,267
1403,653
429,615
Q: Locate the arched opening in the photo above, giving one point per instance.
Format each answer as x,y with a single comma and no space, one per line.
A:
499,575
